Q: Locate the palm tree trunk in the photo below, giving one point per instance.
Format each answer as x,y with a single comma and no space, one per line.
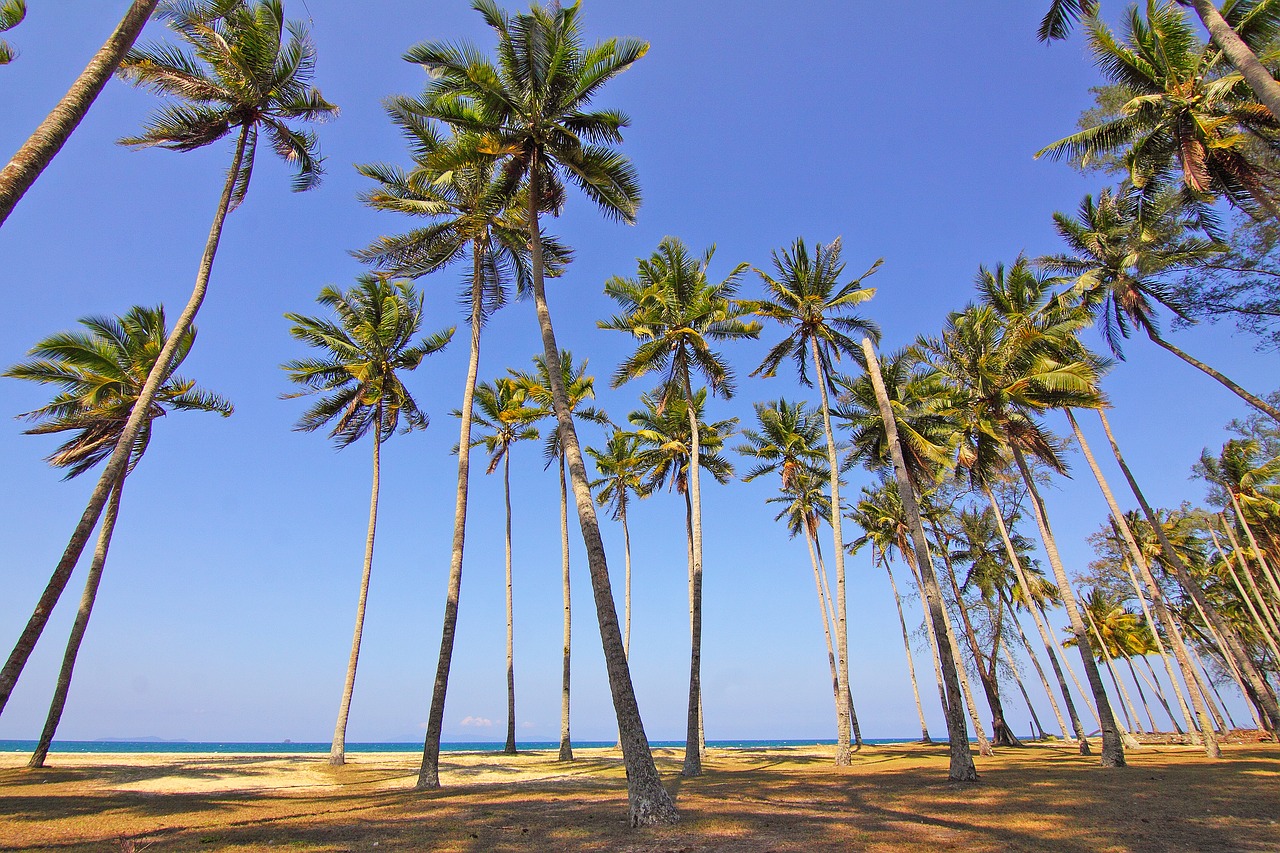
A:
1252,700
1037,731
1025,586
693,741
429,772
1131,721
853,723
648,803
1264,86
566,744
124,445
1175,637
1232,644
1119,521
1266,626
1112,747
961,769
1044,681
842,627
1156,688
1084,695
510,747
1221,704
1202,681
1252,399
1258,555
337,750
826,623
1133,674
906,644
855,730
626,543
47,139
78,628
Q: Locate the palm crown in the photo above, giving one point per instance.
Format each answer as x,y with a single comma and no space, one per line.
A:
788,441
503,408
664,433
621,470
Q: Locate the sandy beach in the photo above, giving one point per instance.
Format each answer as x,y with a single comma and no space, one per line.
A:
1044,797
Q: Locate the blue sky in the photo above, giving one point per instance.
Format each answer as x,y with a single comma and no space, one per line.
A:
226,608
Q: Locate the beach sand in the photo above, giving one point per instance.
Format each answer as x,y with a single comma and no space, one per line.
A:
1045,797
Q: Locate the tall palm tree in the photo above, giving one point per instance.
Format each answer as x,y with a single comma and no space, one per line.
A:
579,387
621,470
47,139
805,295
469,216
504,409
99,374
1238,29
535,116
365,347
241,75
676,312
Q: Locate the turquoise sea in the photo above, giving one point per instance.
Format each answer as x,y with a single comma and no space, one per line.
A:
289,747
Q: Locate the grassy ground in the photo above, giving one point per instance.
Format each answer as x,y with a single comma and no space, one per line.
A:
1045,797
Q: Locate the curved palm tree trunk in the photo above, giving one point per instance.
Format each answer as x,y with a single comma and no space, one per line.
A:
842,626
1067,733
1203,683
932,636
693,738
78,627
1252,399
1037,731
1084,695
1265,625
124,445
1252,699
566,744
1221,704
1131,721
962,769
1025,586
906,644
1231,641
337,750
1264,86
47,139
1112,747
510,747
648,802
429,772
1120,523
1260,557
1192,728
1154,683
1133,674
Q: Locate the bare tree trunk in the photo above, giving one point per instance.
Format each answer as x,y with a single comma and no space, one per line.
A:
962,769
1112,747
78,628
429,772
1252,399
566,743
337,750
1264,86
648,803
510,747
1232,644
837,510
124,445
47,139
906,644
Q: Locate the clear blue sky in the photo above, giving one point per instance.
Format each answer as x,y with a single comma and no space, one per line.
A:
227,604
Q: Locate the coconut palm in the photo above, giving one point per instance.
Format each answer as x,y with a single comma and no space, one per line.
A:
1187,114
365,347
676,313
504,409
805,295
1238,29
622,471
240,75
47,139
535,116
98,374
579,387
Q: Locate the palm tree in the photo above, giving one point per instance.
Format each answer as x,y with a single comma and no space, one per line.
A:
579,387
675,312
1238,30
240,76
11,14
806,296
466,209
365,348
47,139
98,375
536,117
504,409
1119,247
621,468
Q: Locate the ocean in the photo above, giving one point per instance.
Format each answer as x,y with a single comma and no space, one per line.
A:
291,748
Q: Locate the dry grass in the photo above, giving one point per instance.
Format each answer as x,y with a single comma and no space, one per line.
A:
893,798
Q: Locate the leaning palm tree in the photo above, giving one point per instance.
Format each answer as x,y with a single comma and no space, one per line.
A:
241,75
47,139
805,295
621,470
676,312
535,116
503,408
99,374
579,387
365,347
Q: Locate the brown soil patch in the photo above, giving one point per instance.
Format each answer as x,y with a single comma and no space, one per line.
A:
1045,797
